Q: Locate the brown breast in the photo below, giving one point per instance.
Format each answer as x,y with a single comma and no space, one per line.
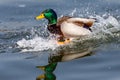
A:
54,29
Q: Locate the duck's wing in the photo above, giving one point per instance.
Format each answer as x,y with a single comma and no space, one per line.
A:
62,19
81,21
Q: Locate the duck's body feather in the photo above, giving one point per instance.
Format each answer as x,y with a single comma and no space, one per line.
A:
72,30
75,27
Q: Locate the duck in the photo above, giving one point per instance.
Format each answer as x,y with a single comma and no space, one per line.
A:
66,28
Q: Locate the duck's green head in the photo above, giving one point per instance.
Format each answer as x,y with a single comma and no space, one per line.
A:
49,14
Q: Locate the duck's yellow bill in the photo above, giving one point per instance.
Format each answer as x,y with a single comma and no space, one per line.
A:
41,16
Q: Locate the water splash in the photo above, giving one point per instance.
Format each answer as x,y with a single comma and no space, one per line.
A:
73,12
37,44
107,27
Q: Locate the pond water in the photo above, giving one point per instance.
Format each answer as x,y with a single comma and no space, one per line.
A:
28,53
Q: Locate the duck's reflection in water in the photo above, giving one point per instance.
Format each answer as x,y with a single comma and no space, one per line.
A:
48,69
46,76
53,60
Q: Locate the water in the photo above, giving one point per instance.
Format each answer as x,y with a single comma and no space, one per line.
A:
25,43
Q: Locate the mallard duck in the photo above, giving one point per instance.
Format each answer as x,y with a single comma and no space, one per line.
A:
66,27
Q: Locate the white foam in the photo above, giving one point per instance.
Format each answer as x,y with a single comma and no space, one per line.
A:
36,44
112,20
109,26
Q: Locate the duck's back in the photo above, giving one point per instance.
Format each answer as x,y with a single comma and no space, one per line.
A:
81,21
62,19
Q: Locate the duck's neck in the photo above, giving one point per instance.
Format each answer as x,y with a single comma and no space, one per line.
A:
52,21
